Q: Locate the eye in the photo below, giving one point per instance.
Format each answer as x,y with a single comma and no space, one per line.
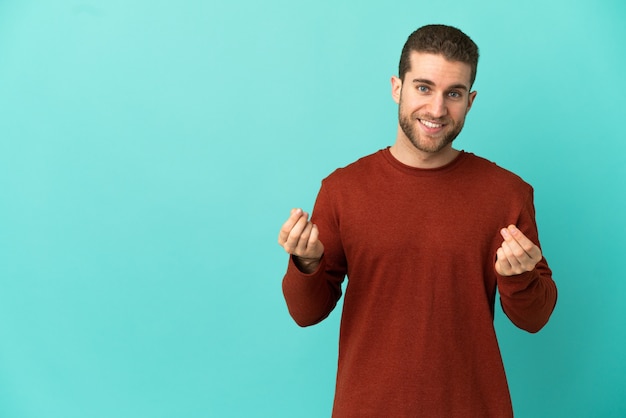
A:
423,89
455,94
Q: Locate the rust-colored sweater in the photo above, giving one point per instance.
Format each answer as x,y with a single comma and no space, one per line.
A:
418,248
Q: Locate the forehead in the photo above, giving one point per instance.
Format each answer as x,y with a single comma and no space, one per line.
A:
436,68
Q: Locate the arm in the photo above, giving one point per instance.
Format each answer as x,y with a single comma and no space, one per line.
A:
527,292
312,284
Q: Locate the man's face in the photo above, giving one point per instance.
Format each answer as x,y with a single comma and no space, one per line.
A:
433,100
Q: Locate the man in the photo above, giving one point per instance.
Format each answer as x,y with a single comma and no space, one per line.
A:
425,234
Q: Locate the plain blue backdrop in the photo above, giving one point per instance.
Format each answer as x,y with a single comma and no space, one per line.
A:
150,151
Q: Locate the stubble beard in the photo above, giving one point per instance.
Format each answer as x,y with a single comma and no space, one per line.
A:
408,123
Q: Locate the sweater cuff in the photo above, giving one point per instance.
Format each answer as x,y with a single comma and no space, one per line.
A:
519,278
510,285
292,268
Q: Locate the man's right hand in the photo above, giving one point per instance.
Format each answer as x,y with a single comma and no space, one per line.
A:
299,237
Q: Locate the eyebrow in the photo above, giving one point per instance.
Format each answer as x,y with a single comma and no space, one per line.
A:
430,83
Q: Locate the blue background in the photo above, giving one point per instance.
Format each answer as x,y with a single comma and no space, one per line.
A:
150,151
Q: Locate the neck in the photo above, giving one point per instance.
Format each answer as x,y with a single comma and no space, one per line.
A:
407,154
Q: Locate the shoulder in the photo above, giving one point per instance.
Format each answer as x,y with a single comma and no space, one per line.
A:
356,171
494,174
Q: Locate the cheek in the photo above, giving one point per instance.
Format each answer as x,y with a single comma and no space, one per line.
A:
459,113
410,104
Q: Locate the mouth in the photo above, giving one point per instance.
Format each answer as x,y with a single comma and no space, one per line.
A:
430,125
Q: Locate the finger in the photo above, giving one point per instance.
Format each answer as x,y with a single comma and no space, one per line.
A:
515,237
508,264
298,229
503,266
286,228
515,256
310,247
308,244
315,234
293,238
303,241
518,259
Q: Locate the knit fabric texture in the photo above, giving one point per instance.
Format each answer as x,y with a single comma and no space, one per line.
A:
418,248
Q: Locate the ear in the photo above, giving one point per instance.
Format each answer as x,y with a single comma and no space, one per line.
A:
470,100
396,88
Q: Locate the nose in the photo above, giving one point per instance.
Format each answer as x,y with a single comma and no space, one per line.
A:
437,106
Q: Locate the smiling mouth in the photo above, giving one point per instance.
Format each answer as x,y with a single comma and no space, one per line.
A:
430,125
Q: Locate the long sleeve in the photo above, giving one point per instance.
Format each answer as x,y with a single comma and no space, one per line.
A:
529,299
312,297
417,334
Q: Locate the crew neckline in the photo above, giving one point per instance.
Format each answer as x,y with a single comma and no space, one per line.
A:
386,153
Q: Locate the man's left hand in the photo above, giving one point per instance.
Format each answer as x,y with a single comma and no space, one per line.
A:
517,254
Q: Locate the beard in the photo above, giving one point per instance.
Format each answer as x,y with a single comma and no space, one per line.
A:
423,142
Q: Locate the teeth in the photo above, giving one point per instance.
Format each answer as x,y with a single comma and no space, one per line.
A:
430,124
